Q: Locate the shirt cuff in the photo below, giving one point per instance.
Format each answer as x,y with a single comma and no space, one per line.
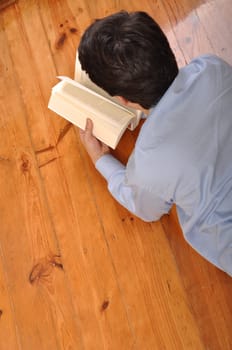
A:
107,165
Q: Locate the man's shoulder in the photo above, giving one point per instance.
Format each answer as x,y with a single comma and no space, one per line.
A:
208,57
209,62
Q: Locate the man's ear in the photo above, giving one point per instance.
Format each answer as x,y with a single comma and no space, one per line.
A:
122,100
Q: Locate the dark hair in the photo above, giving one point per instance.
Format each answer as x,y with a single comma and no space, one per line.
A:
127,54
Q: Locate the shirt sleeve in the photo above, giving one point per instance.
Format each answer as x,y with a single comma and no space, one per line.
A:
138,200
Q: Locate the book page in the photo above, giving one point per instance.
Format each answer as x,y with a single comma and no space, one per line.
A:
94,103
76,103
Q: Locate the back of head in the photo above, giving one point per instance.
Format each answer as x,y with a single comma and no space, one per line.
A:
128,55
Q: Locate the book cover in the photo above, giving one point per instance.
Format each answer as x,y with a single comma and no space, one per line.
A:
79,99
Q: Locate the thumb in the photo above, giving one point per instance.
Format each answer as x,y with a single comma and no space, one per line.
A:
89,128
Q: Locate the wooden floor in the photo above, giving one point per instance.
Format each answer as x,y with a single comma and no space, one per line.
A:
77,271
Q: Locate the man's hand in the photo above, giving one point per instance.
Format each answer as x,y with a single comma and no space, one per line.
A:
94,147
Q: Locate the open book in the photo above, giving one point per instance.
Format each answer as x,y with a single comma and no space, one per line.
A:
79,99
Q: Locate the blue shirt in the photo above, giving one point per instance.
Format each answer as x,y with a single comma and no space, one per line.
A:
183,155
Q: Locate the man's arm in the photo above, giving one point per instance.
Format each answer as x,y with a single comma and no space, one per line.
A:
137,200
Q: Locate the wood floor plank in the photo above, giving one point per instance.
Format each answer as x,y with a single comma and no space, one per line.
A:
8,330
98,299
76,216
35,268
189,32
215,18
208,289
5,3
22,257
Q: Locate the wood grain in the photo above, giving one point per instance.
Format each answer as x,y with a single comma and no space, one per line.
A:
77,271
5,3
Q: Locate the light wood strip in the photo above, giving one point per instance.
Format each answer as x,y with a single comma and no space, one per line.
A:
208,289
212,16
5,3
36,276
8,329
90,276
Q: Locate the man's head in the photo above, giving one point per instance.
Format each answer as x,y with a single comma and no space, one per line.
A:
128,55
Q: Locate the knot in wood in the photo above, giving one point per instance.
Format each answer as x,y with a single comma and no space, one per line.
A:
25,164
44,268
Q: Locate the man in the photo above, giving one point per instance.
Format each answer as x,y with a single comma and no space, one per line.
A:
183,154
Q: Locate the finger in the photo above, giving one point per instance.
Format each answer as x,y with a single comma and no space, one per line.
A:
89,124
89,128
